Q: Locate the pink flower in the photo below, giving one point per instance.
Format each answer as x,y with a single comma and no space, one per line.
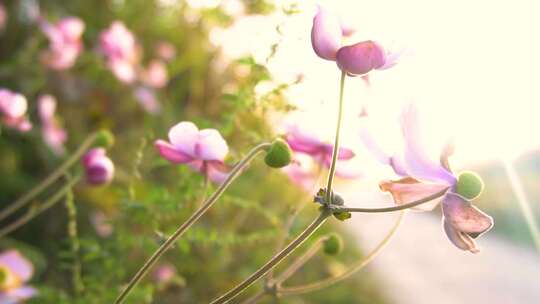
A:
155,75
119,46
164,273
202,150
53,135
98,167
101,224
147,98
304,142
425,176
15,271
165,50
65,43
357,59
3,17
13,108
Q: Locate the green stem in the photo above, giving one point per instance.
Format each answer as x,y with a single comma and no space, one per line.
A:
394,208
335,151
35,211
288,291
300,261
191,220
25,199
323,216
77,282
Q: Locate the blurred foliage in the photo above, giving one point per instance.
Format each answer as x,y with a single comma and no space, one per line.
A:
150,198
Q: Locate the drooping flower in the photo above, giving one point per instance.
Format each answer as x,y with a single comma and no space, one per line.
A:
424,176
119,46
13,108
3,17
15,272
65,43
147,99
356,59
155,75
53,134
98,167
302,141
202,150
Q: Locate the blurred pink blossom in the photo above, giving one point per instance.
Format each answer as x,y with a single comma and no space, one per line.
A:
98,167
202,150
65,43
13,108
53,135
3,17
101,224
147,98
426,176
165,50
15,272
164,273
356,59
118,44
155,75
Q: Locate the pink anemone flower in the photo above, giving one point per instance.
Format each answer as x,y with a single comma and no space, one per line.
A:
118,44
65,43
423,176
15,272
202,150
356,59
13,108
53,135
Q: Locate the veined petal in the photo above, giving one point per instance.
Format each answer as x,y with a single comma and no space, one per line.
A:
211,145
408,190
171,153
419,164
184,136
465,217
18,264
459,239
326,34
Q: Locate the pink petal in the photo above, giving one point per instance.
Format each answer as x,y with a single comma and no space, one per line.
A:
123,70
21,293
171,153
373,147
419,164
465,217
408,190
18,264
360,58
302,141
326,35
348,171
459,239
345,154
211,145
184,136
217,172
147,99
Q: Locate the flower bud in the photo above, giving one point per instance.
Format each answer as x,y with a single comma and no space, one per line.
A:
279,154
361,58
99,168
333,244
104,138
469,185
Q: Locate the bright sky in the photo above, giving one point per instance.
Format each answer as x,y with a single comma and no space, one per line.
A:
471,66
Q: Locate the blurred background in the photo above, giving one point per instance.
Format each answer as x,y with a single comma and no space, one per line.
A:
246,68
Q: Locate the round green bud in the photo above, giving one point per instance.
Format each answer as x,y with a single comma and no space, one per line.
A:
469,185
104,138
278,155
333,244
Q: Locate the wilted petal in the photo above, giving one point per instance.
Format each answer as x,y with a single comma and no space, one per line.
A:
419,164
360,58
184,136
211,145
465,217
171,153
408,190
17,264
459,239
326,34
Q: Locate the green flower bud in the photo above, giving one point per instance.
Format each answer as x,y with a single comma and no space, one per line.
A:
342,215
469,185
278,155
333,244
104,138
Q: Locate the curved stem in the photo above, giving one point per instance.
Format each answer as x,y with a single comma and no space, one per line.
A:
300,261
335,151
394,208
25,199
191,220
325,213
288,291
35,211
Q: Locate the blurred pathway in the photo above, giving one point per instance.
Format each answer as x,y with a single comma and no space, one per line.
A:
421,266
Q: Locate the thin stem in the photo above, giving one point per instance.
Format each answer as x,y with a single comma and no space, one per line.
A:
25,199
191,220
300,261
35,211
335,151
325,213
394,208
523,202
76,279
288,291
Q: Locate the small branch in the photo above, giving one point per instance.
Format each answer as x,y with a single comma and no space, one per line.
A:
300,261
